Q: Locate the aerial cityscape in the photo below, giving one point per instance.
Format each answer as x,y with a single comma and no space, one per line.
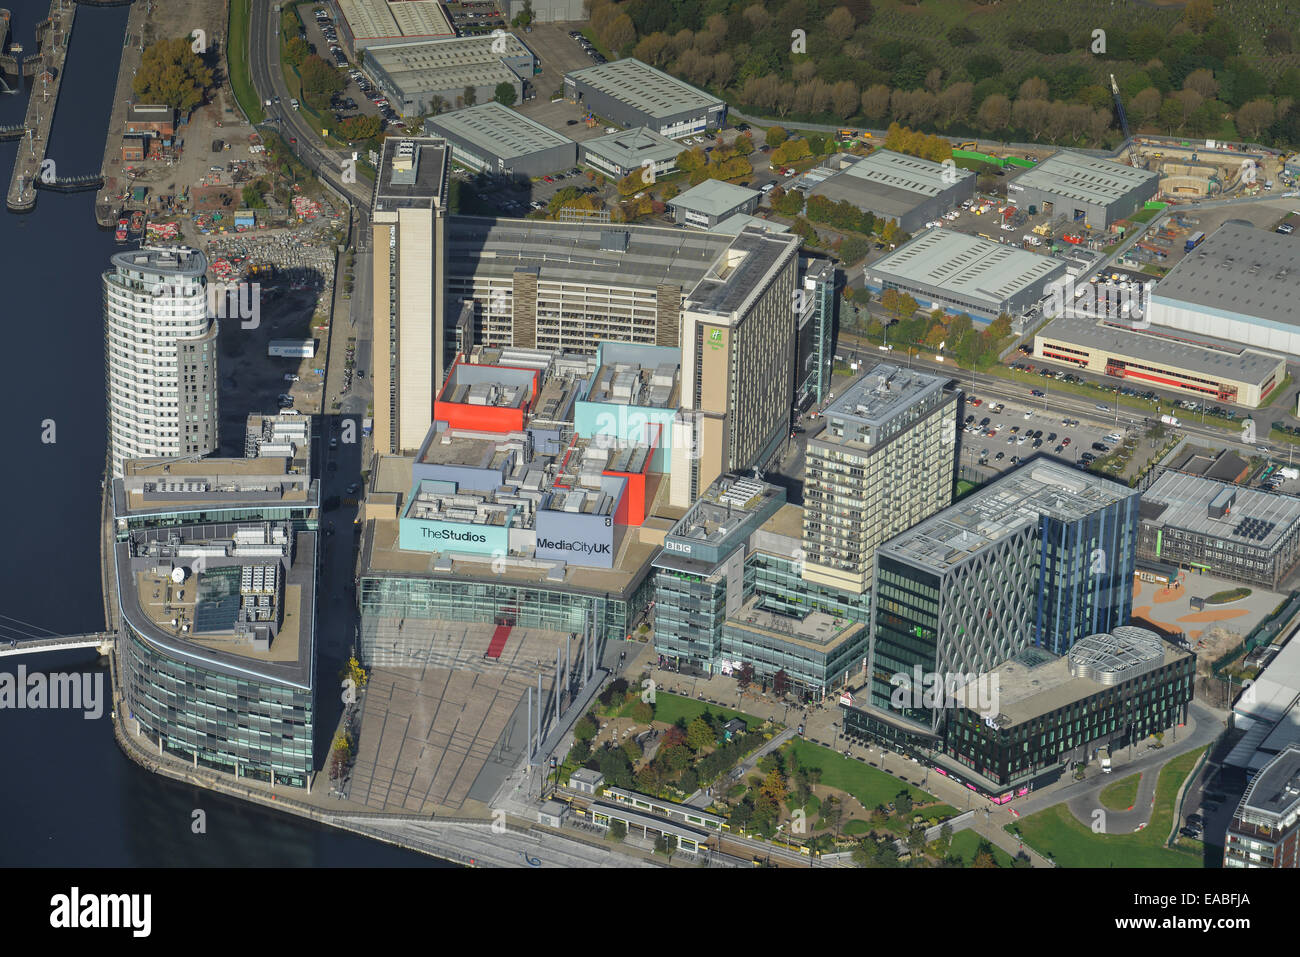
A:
679,434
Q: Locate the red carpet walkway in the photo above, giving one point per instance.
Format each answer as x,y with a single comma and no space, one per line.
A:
499,638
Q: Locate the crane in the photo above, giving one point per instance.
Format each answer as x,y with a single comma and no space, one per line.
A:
1119,108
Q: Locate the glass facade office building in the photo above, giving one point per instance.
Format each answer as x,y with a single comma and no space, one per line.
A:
237,723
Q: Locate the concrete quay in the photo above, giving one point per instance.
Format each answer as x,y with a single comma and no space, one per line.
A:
52,37
108,201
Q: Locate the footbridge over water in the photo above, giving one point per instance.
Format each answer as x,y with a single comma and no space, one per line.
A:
100,640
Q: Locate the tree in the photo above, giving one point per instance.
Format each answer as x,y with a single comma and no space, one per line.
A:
643,712
359,127
903,802
1255,117
832,813
621,33
984,855
632,750
1144,105
469,95
525,17
699,735
1198,14
505,93
617,831
171,72
295,51
945,837
916,841
840,24
844,98
780,683
994,113
585,729
776,135
773,786
252,195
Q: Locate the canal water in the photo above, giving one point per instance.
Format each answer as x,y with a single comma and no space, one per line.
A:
69,797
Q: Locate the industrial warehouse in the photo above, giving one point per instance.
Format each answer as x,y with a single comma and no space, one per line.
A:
1241,284
629,93
959,273
1083,189
712,202
891,185
1221,371
497,139
412,75
370,23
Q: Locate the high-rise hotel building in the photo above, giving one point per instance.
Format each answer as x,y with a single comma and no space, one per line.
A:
160,355
883,462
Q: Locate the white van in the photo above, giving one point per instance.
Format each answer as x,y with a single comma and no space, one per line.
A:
767,188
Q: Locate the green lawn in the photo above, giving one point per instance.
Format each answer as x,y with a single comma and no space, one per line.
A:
241,81
855,827
869,785
670,707
966,843
1056,831
1121,795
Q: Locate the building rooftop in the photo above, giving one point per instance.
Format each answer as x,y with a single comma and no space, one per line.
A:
164,260
150,486
646,256
728,512
889,183
496,129
1238,270
817,630
1084,178
966,265
1211,357
644,88
1275,790
240,597
630,383
713,197
432,64
412,174
1003,507
631,148
1227,513
377,19
742,273
1036,682
879,403
733,225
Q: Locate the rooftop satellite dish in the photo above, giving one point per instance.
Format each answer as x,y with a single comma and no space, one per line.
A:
178,575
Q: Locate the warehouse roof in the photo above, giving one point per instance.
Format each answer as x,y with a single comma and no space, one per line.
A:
495,129
430,65
646,256
892,184
1256,519
1002,508
376,19
644,88
1221,360
1083,178
1239,269
713,197
966,265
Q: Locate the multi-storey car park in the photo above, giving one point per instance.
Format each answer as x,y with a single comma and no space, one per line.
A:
629,93
883,461
1207,369
496,139
1040,557
910,190
1083,189
413,73
960,273
1265,828
215,569
1220,529
160,348
1241,284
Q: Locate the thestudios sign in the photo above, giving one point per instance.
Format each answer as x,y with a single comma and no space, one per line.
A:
428,536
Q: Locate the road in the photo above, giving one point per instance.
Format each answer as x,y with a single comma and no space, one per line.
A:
268,80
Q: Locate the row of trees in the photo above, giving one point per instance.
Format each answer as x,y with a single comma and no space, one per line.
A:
959,81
